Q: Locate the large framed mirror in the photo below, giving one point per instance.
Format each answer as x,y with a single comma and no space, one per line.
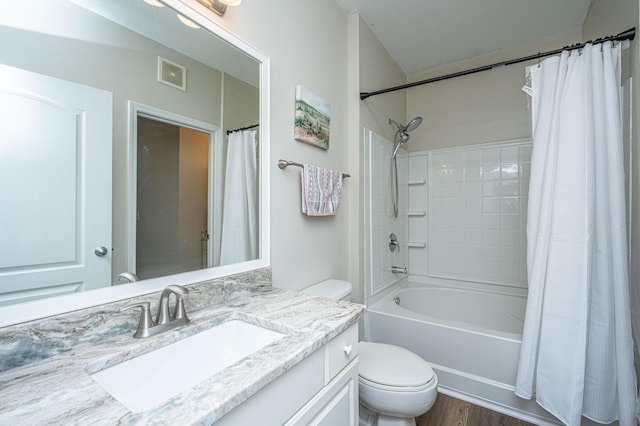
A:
127,127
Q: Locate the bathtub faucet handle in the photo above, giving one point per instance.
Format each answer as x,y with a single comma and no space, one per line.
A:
393,243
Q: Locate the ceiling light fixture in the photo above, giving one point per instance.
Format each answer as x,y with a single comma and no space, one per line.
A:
219,6
155,3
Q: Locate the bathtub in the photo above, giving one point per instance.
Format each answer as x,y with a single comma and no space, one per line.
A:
471,339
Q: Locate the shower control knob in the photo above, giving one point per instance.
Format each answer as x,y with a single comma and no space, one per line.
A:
393,243
348,349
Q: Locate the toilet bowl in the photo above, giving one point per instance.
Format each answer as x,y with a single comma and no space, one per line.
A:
395,385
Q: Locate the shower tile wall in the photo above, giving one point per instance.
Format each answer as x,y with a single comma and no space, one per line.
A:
475,227
379,219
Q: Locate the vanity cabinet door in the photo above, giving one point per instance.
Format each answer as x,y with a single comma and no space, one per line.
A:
335,405
282,398
342,408
306,395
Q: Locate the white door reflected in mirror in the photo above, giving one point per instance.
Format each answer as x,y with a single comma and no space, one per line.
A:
55,181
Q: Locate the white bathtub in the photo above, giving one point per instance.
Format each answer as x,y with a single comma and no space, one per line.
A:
471,339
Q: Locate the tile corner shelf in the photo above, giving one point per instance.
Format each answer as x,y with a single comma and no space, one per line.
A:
417,244
417,213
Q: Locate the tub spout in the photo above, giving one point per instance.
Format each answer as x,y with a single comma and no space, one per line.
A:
398,270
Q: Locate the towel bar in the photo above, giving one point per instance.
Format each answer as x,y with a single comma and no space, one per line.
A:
284,163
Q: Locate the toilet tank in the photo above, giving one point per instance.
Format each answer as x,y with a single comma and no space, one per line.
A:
334,289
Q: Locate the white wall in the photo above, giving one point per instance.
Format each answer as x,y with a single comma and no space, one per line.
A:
484,107
378,71
371,67
306,42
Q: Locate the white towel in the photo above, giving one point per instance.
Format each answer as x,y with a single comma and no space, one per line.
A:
321,190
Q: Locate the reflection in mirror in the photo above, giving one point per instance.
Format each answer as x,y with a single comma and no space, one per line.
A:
114,152
172,193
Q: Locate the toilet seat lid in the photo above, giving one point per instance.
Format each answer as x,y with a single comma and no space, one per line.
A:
392,365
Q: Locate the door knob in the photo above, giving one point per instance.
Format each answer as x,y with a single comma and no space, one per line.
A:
101,251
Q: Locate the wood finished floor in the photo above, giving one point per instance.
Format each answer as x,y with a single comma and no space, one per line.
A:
448,411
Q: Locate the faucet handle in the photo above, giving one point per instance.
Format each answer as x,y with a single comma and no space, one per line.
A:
393,243
180,311
145,322
181,294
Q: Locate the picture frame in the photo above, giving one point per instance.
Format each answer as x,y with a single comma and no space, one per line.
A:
172,74
312,118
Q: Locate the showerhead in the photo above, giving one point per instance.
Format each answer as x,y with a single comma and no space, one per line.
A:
413,124
403,131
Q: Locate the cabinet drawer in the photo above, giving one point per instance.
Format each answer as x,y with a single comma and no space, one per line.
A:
340,351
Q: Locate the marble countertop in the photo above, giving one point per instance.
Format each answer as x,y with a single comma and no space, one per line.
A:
45,365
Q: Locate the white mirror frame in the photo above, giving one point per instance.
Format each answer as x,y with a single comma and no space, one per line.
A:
18,313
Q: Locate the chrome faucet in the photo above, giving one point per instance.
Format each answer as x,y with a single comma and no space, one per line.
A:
163,316
128,277
164,319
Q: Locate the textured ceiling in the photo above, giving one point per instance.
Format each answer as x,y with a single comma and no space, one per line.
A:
424,34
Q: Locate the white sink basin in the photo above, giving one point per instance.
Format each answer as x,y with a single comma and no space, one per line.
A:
146,381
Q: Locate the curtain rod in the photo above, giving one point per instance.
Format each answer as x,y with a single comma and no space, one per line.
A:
625,35
242,128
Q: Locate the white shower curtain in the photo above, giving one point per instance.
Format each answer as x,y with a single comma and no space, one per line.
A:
239,241
576,355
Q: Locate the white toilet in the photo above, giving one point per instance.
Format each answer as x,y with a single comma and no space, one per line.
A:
395,385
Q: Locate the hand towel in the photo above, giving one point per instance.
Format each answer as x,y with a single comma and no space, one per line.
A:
321,190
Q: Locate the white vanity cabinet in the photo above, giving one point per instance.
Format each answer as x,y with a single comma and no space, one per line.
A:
321,390
337,402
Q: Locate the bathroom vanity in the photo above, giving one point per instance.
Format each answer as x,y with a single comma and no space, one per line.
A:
321,390
307,374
